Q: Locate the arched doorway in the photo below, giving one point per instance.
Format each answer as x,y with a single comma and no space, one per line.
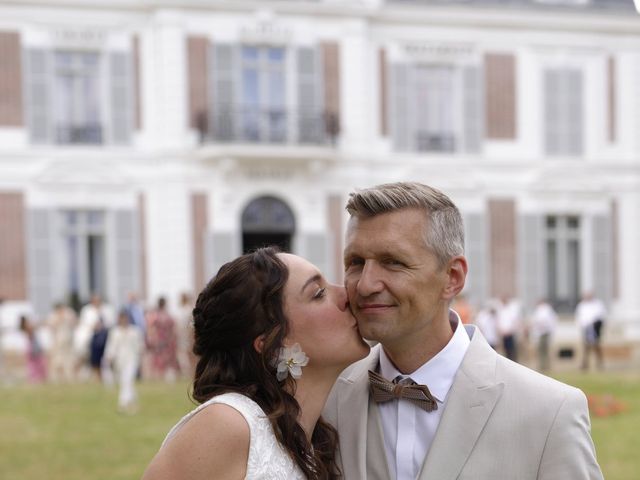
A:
267,221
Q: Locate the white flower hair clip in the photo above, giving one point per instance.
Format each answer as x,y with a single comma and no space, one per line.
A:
290,361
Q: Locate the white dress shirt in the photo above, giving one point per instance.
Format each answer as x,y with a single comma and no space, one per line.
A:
406,452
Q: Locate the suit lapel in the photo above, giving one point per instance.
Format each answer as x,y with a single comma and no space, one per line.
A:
471,400
353,409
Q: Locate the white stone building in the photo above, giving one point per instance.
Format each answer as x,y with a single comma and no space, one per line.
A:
144,143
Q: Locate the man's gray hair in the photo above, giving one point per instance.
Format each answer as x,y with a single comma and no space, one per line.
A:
445,231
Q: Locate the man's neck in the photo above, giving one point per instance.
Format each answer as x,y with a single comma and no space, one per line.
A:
410,354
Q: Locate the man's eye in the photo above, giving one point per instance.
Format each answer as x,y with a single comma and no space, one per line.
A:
393,262
354,262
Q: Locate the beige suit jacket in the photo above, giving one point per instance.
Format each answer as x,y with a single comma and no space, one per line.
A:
501,421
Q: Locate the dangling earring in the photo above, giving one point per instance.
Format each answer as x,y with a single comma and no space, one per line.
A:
290,361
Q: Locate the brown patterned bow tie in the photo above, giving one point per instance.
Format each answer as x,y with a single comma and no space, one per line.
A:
383,390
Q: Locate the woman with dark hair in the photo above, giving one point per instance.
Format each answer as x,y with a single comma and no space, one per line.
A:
271,336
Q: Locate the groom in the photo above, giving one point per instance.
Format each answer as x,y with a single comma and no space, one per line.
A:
433,400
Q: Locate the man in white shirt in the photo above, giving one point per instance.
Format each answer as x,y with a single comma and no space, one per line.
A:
433,400
590,315
509,320
543,324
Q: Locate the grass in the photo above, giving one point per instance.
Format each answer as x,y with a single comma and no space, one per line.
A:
615,436
74,433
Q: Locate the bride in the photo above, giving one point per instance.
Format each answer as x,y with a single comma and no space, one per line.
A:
272,336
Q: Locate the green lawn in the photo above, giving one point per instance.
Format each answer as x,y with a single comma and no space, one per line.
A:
74,433
616,436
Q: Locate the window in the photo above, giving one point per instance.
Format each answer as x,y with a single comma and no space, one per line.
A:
263,114
563,116
266,94
436,107
85,253
562,244
77,87
79,97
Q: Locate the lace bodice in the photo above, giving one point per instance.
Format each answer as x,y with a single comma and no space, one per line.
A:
268,460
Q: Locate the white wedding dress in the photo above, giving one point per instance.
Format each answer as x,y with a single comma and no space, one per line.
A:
268,460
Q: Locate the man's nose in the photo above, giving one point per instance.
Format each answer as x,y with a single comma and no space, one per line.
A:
369,281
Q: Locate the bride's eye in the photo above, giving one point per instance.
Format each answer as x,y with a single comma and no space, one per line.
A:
320,293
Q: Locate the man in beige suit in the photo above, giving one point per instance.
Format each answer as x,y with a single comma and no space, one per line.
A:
480,415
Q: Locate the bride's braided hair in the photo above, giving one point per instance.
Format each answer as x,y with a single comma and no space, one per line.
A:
243,301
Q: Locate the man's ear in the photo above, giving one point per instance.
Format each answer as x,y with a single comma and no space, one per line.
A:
258,343
456,276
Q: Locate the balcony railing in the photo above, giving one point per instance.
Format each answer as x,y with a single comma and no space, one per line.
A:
434,142
90,134
276,126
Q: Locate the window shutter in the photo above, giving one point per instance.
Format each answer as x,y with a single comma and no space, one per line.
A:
310,124
401,129
611,99
473,109
220,248
331,64
316,250
39,73
476,253
532,262
199,229
382,62
137,99
197,71
42,253
10,80
501,97
126,236
13,281
121,79
502,224
223,100
575,114
141,219
336,214
563,112
602,257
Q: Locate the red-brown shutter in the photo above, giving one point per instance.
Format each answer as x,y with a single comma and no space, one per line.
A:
502,224
199,225
382,65
13,272
331,64
500,91
198,93
11,112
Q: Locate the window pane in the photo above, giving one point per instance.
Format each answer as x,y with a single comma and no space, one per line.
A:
95,218
573,272
249,53
72,267
552,284
77,97
573,222
250,113
275,55
96,264
434,109
551,222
